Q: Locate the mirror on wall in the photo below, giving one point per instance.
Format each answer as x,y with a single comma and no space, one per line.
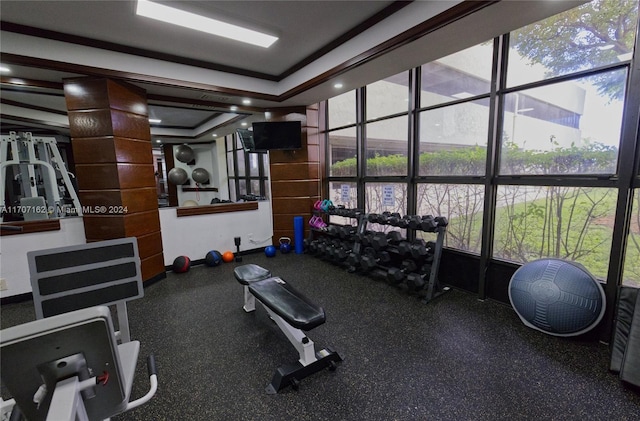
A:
36,181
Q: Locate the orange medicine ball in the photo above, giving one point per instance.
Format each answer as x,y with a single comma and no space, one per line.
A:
227,256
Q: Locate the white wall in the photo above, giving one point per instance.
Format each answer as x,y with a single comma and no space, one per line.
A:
194,236
14,268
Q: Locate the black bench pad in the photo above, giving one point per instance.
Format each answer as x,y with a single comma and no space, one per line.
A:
286,302
246,274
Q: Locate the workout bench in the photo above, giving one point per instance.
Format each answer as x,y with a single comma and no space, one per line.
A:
294,314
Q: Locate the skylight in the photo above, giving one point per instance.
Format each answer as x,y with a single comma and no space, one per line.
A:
200,23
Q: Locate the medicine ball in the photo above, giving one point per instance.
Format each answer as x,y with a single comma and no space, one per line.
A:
200,175
177,176
270,251
181,264
213,258
227,256
184,154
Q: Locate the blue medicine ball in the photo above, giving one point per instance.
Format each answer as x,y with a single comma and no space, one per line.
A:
270,251
213,258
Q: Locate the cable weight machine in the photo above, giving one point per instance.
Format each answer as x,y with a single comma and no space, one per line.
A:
43,176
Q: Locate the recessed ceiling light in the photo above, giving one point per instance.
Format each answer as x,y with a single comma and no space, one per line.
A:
4,69
214,135
200,23
233,108
246,101
154,120
244,123
158,141
338,85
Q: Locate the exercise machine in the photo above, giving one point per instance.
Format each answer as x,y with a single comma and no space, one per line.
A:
43,176
294,314
70,367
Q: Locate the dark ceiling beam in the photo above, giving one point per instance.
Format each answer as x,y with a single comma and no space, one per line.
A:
31,107
127,76
9,118
201,102
33,83
441,20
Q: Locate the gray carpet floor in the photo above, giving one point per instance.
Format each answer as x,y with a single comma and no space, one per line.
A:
456,358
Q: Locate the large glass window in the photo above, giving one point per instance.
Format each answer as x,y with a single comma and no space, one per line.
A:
453,139
573,223
462,205
387,147
556,115
343,193
342,110
343,152
563,128
595,34
388,96
386,197
458,76
247,171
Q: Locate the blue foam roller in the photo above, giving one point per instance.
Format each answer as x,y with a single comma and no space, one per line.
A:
298,234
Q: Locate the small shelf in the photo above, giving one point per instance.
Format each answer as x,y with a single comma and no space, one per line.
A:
200,189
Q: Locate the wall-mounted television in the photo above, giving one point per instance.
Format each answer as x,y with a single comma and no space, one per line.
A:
277,135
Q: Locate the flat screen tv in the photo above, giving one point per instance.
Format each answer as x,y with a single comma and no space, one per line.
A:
277,135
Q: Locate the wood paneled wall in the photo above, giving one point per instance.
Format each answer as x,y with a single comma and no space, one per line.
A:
296,176
111,144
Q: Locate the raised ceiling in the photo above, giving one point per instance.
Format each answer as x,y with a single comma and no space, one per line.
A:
192,79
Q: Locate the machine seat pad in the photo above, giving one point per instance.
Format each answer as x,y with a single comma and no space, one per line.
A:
286,302
246,274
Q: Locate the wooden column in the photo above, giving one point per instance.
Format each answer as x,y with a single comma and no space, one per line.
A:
111,143
296,176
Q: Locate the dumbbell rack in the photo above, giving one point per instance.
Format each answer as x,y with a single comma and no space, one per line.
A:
324,243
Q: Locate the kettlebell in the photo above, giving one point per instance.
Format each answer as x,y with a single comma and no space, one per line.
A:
285,244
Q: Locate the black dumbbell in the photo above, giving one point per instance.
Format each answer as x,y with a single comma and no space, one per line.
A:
372,217
394,218
397,275
403,249
415,282
380,240
419,249
333,230
413,221
353,260
428,224
402,222
342,253
371,259
383,218
346,231
442,221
